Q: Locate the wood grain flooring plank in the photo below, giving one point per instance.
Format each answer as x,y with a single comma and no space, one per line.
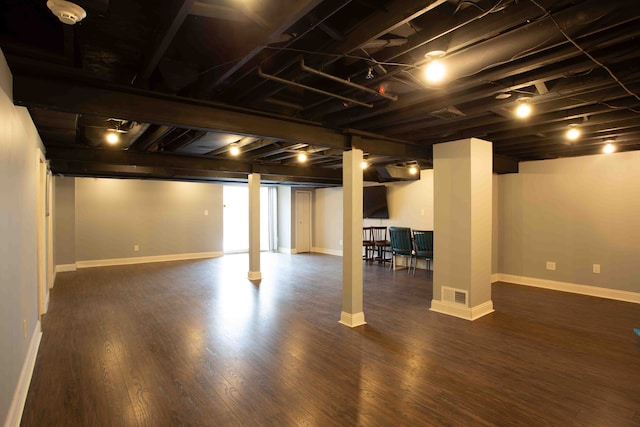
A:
194,343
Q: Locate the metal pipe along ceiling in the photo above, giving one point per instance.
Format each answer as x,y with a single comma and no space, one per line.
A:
346,82
313,89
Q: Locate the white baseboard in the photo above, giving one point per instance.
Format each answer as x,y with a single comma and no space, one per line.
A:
325,251
284,250
46,301
352,320
20,394
495,278
146,259
572,287
462,311
62,268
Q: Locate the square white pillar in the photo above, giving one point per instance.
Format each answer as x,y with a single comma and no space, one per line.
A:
352,312
254,227
462,228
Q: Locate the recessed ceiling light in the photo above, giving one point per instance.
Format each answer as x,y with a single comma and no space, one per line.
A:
435,70
302,157
364,164
573,132
413,170
609,148
234,149
112,137
523,110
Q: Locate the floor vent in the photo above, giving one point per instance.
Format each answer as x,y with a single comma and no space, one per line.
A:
456,296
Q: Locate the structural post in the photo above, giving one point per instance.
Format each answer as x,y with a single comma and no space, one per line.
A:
352,313
254,227
462,228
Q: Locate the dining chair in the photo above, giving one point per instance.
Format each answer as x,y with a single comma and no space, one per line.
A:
381,243
368,244
423,247
401,245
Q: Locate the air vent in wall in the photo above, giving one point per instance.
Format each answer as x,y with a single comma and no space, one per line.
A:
460,297
456,296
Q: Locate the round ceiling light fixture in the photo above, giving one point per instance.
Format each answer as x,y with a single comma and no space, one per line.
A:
609,147
435,70
573,132
523,110
67,12
112,137
234,149
302,157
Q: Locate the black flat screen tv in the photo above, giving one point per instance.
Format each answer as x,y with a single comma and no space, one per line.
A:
374,202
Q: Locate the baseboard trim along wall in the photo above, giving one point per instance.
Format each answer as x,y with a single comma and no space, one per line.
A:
574,288
146,259
326,251
284,250
63,268
462,311
20,394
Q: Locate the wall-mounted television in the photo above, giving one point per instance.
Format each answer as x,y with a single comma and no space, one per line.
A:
374,202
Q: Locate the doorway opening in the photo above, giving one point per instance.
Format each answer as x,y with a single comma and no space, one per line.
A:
235,217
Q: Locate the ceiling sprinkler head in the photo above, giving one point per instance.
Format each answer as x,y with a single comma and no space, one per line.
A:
370,74
67,12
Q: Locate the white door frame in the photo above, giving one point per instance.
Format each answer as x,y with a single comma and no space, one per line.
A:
41,225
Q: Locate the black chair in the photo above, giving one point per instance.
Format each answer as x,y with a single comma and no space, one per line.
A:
381,243
423,246
401,245
368,244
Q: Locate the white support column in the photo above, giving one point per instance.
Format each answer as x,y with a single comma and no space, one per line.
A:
462,228
254,227
352,312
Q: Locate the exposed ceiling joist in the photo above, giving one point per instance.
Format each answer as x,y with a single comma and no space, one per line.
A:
164,38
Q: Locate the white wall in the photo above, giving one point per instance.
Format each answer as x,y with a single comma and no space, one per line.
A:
575,212
161,217
284,219
410,205
327,226
65,220
19,144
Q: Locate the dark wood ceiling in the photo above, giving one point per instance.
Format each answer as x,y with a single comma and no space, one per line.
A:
182,80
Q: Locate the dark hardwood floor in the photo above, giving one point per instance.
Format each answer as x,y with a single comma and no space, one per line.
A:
194,343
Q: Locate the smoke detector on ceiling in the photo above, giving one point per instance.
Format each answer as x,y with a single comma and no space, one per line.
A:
67,12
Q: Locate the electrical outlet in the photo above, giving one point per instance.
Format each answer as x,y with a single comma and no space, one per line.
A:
422,212
206,212
551,265
596,268
136,248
